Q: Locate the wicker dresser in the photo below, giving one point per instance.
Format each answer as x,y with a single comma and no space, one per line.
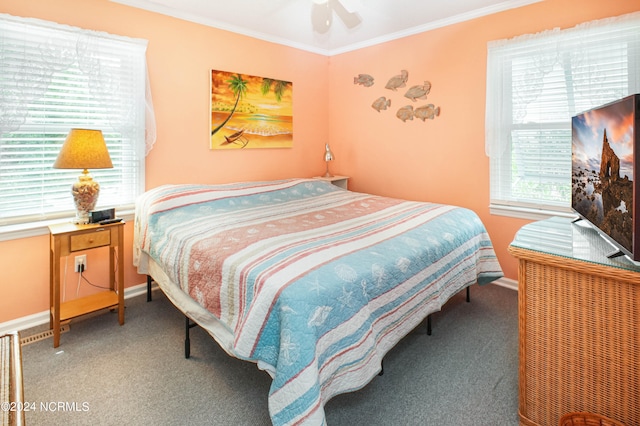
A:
579,325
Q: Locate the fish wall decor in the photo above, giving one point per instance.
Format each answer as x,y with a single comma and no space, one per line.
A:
364,80
405,113
414,93
428,111
398,81
418,92
381,103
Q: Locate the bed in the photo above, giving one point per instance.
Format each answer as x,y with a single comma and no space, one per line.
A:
312,282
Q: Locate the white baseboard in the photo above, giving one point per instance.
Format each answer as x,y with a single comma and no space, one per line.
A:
40,318
507,282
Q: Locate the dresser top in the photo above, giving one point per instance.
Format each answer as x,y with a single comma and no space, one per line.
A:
561,237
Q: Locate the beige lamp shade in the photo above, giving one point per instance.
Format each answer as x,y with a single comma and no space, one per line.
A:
84,149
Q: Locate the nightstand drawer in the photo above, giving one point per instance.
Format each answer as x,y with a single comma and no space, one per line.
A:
90,240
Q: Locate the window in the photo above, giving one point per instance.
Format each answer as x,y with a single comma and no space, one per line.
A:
535,84
54,78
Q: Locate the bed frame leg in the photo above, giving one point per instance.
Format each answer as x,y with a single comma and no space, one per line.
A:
149,281
381,368
429,316
187,341
188,324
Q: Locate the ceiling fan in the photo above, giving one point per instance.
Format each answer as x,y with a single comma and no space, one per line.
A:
322,14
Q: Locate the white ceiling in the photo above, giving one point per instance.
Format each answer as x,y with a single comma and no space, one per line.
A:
302,24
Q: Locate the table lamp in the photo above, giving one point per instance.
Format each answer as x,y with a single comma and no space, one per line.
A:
84,149
328,156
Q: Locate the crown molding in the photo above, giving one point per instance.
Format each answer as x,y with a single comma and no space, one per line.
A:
214,23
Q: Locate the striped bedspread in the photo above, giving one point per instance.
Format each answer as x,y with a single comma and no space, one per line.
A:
312,282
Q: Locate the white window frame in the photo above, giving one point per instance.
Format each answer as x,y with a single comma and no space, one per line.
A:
535,84
83,79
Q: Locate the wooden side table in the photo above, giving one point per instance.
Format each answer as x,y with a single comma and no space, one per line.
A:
68,238
339,181
579,325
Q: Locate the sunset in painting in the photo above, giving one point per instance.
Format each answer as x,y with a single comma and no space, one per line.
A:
250,112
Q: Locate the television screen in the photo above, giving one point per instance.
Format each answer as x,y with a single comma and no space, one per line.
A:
604,166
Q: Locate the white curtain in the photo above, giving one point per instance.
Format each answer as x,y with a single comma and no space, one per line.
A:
50,47
584,52
53,78
535,84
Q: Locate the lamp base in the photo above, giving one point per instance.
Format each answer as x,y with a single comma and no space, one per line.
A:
85,193
327,174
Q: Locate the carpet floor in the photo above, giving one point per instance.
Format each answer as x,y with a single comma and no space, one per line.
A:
465,373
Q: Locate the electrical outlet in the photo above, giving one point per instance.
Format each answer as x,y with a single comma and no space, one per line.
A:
81,263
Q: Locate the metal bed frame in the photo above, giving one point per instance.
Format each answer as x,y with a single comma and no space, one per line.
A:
189,324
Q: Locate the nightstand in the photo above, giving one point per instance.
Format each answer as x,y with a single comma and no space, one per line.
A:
340,181
68,238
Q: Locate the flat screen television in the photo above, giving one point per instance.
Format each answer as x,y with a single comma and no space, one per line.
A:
605,157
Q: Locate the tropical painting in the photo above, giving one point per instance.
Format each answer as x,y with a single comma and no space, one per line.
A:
250,112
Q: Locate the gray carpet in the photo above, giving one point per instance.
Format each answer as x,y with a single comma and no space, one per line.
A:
465,373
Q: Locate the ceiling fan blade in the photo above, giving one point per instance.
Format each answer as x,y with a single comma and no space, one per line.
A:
351,5
345,10
321,17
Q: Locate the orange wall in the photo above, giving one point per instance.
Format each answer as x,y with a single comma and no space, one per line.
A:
441,160
180,56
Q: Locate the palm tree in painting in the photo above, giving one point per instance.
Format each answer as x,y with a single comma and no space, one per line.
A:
239,87
279,87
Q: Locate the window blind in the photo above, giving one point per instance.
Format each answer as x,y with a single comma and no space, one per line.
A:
53,78
535,84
